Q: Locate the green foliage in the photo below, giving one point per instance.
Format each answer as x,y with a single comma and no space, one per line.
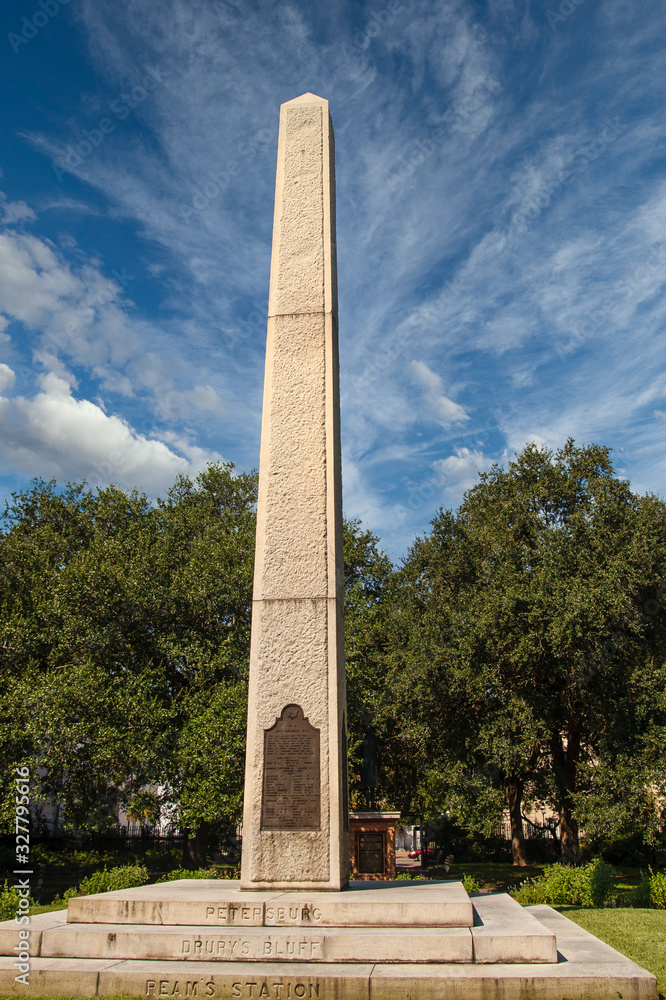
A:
181,873
656,882
470,884
212,872
368,575
561,885
229,873
119,622
154,858
9,901
91,733
530,644
106,880
210,757
157,860
629,849
144,808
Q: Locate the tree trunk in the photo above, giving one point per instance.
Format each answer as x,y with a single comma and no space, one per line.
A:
195,851
565,768
569,844
513,789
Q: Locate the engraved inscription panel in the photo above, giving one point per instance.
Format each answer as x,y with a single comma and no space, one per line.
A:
291,798
234,913
249,987
371,853
255,948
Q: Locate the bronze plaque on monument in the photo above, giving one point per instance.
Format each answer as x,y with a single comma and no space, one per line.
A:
291,797
371,853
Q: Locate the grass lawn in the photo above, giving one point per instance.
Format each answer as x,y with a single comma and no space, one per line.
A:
493,875
638,934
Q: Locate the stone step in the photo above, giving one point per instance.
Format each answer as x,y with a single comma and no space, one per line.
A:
212,903
259,944
585,967
503,932
601,975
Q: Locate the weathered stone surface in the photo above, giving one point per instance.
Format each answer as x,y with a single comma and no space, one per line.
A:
587,969
64,977
505,933
10,931
277,981
378,904
297,647
261,944
565,981
190,901
212,903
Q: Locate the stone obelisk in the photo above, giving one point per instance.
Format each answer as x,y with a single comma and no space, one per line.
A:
295,825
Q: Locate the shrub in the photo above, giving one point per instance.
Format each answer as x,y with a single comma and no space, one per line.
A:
66,896
470,884
485,849
157,860
638,897
106,880
596,883
626,850
651,890
229,872
180,873
657,882
9,901
561,885
528,892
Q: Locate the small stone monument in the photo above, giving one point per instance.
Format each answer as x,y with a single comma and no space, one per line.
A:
372,844
295,822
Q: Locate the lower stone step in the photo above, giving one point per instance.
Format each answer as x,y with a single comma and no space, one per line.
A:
586,968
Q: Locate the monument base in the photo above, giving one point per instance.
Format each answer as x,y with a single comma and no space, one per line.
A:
388,941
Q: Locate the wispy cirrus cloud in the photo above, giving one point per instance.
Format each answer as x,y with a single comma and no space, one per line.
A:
500,221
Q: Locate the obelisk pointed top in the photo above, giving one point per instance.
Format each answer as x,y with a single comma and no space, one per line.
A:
306,99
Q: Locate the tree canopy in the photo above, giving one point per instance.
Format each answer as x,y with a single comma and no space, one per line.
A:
533,657
121,625
518,654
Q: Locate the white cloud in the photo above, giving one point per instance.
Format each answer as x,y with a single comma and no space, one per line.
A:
84,321
446,411
54,434
15,211
460,471
7,377
543,300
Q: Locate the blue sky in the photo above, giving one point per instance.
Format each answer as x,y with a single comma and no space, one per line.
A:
501,194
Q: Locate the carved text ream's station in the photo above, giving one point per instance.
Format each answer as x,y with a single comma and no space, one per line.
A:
294,927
